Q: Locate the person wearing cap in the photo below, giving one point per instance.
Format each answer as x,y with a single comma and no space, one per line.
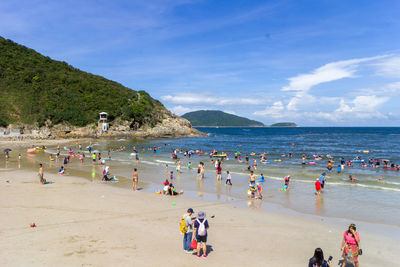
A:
322,179
200,232
187,237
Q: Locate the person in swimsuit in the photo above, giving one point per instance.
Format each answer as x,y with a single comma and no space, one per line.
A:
252,179
287,181
41,174
135,180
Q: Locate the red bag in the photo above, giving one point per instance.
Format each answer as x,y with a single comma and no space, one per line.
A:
193,245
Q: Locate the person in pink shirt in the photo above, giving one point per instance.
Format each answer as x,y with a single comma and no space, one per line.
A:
350,246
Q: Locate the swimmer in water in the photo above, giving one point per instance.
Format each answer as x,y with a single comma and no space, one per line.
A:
352,179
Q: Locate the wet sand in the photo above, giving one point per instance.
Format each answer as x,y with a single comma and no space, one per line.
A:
90,223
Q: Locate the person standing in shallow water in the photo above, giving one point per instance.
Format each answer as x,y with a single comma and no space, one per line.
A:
135,180
41,174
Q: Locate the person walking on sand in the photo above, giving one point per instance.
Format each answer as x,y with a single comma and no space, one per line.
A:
187,230
41,174
350,246
135,179
200,232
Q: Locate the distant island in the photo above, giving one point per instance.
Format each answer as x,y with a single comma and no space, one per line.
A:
218,118
284,124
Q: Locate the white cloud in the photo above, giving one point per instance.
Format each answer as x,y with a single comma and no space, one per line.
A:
327,73
389,67
301,101
274,111
215,100
180,110
362,107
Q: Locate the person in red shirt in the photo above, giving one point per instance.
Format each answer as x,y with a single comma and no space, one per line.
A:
318,187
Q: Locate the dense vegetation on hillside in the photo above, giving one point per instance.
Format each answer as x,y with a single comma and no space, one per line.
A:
284,124
35,89
218,118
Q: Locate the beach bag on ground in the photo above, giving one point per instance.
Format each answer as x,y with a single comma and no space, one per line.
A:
193,245
202,228
183,226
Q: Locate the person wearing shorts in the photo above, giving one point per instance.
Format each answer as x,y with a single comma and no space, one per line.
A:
201,239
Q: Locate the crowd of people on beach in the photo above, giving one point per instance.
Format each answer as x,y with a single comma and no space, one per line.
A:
194,229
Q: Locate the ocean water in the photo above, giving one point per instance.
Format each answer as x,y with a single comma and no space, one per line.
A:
341,199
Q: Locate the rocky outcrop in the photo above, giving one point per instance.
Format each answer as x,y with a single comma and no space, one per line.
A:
170,126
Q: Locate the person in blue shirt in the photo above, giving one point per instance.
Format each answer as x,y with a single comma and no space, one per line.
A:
261,178
322,179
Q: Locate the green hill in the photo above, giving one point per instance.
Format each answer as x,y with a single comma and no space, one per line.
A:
34,89
284,124
218,118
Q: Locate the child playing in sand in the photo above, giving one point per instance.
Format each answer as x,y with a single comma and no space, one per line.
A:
61,170
171,176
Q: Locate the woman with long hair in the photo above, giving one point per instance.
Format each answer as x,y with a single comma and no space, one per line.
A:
350,246
318,259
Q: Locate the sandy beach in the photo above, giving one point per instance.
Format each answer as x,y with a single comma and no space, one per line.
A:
84,223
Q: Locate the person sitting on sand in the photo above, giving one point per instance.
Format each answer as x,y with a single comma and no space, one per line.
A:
61,170
171,190
352,179
41,174
105,173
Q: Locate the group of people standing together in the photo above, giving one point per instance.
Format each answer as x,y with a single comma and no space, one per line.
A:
195,232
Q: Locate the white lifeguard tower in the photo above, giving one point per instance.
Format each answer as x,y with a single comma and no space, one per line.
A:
103,124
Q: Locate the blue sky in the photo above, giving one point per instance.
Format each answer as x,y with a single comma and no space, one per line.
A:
317,63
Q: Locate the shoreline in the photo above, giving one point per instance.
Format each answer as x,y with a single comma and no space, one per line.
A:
291,233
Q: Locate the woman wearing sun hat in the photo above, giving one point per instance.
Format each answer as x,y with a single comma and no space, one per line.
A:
200,232
350,246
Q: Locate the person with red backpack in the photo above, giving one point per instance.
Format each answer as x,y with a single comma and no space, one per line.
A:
200,232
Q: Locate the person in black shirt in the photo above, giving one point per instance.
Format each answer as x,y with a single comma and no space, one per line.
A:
318,259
